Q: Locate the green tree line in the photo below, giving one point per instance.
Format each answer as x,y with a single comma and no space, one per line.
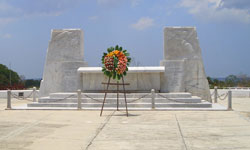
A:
241,80
10,79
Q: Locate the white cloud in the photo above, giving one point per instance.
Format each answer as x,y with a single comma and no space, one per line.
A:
12,10
143,23
219,10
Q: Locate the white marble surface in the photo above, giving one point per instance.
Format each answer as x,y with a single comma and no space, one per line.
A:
140,78
181,43
141,81
183,61
130,69
64,57
173,78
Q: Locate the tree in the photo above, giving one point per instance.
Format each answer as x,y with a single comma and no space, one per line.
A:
31,83
231,81
241,80
244,80
210,82
216,82
6,74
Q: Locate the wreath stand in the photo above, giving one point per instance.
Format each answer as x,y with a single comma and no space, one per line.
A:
117,91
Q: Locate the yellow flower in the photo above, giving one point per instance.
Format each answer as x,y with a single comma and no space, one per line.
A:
116,52
110,54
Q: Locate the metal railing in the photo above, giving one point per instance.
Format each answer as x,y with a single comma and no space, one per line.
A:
152,94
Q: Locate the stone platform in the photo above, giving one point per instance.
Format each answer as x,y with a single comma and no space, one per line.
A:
146,130
135,101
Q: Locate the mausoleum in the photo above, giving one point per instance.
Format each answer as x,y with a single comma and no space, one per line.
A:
180,72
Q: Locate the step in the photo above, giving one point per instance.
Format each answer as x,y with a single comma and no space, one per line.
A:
130,105
114,95
145,105
184,105
114,100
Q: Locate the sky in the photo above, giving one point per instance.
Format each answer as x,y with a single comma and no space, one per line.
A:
223,28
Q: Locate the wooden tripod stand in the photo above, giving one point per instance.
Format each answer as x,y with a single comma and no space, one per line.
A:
117,84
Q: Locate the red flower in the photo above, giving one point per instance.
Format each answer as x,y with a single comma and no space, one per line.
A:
109,63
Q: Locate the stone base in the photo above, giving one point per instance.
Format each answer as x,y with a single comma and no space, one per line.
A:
61,77
134,100
185,76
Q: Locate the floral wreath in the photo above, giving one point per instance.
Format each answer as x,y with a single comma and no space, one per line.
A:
115,62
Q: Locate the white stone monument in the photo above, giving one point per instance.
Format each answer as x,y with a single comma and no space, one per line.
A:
180,79
64,57
184,69
181,70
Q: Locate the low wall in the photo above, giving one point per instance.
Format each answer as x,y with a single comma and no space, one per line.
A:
237,93
3,93
141,79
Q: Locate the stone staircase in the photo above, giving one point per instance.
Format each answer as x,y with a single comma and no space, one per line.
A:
135,101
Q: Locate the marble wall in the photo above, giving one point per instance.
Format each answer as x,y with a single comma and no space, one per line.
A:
141,79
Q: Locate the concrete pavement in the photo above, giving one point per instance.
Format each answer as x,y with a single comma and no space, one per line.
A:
152,130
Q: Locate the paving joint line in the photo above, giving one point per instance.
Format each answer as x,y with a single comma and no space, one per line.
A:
183,140
100,129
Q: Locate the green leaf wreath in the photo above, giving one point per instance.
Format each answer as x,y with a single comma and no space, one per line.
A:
115,62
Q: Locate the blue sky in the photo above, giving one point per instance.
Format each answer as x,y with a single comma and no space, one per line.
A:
223,28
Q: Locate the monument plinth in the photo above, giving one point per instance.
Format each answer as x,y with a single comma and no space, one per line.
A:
64,57
184,69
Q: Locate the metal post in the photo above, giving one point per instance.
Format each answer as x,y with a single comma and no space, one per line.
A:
34,94
124,91
8,99
105,96
117,95
79,104
229,100
215,94
153,98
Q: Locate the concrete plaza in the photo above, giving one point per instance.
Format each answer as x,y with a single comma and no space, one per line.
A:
152,130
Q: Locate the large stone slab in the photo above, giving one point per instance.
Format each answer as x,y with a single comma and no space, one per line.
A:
173,78
64,57
184,69
139,78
